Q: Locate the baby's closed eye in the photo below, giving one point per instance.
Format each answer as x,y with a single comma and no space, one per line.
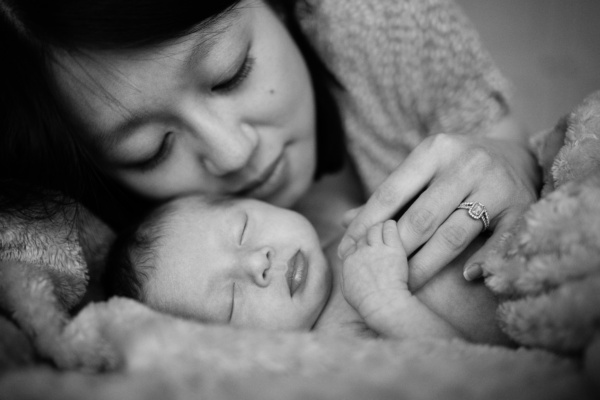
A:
232,307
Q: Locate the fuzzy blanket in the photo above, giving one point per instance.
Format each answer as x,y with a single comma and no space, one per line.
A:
547,272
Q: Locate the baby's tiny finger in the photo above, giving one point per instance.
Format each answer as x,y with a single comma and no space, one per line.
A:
362,242
375,234
391,237
351,250
346,247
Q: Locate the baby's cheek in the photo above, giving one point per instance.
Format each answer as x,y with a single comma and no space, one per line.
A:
257,308
262,319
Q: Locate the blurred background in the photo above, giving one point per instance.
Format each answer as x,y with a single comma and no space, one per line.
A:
549,49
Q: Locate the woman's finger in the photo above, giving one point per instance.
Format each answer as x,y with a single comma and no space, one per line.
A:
396,191
475,266
349,216
429,211
450,239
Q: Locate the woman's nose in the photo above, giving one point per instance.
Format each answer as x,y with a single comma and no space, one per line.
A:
257,264
228,148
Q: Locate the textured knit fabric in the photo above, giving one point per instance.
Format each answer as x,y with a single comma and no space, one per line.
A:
409,69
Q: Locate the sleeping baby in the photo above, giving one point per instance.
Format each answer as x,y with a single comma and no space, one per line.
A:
251,264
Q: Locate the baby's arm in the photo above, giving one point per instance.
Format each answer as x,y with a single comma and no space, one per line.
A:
374,282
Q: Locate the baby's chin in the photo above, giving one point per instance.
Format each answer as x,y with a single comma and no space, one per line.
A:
326,291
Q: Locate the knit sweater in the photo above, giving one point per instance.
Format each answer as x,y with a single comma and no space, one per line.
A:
409,69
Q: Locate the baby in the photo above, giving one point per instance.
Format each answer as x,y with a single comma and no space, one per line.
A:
251,264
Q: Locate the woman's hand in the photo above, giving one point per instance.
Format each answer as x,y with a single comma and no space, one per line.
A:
441,173
375,273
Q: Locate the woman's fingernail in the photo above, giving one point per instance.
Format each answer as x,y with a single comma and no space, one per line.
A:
473,272
345,246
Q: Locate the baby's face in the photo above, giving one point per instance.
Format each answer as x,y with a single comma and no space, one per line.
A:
243,262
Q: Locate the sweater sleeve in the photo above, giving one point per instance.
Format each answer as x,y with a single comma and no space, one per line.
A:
408,69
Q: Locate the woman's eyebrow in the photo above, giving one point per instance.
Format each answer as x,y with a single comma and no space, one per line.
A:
205,42
211,33
134,119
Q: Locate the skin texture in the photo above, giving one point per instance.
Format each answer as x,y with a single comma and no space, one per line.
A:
230,110
213,259
375,283
496,170
231,106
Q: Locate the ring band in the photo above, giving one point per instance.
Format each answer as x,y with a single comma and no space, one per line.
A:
476,211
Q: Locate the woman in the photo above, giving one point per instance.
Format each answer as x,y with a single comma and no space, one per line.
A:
126,104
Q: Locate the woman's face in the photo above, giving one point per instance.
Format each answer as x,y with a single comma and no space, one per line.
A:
227,110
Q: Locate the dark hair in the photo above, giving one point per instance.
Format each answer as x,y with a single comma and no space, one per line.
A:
132,256
39,145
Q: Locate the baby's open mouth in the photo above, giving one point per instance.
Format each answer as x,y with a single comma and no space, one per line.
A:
297,271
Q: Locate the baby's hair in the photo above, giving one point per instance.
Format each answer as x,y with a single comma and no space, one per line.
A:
133,257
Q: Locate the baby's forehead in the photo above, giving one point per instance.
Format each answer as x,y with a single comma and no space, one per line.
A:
188,259
206,211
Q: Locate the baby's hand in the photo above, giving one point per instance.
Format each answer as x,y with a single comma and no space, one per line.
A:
375,274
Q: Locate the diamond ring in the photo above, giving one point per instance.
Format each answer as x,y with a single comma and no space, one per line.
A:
476,211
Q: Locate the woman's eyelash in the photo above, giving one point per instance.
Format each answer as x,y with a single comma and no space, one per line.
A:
241,74
160,154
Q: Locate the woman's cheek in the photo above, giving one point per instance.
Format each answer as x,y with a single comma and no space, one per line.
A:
175,176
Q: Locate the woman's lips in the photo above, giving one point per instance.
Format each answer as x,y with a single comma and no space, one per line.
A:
297,271
267,183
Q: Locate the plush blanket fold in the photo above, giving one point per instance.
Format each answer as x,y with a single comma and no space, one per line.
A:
154,356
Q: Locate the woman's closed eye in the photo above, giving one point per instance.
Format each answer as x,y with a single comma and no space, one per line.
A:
160,155
238,77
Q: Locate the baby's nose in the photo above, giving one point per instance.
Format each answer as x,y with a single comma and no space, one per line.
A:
258,264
